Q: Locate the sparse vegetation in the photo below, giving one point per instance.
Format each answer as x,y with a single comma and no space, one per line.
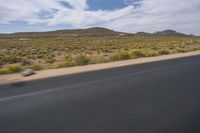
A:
55,52
10,69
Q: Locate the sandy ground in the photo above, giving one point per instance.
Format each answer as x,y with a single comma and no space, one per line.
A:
13,78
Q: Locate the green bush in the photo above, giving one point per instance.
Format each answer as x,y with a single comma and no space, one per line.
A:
181,50
120,56
4,71
197,48
10,69
98,59
137,53
81,60
143,53
75,61
68,61
150,52
134,54
66,64
11,59
164,51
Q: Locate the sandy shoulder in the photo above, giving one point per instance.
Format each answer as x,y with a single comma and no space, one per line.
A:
12,78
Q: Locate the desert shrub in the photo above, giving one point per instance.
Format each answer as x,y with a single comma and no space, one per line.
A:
81,60
50,61
66,64
25,62
11,59
197,48
61,65
1,61
120,56
75,61
143,53
10,69
98,59
14,68
181,50
40,56
36,67
150,52
164,51
4,70
137,53
68,61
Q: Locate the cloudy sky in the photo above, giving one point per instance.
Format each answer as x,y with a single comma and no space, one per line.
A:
120,15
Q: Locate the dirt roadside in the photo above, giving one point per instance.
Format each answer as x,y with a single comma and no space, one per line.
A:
13,78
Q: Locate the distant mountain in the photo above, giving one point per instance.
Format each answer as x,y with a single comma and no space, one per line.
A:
89,31
71,32
96,31
169,33
143,34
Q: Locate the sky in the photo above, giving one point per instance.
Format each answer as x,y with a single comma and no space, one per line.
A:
120,15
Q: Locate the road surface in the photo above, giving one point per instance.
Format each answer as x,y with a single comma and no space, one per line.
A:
159,97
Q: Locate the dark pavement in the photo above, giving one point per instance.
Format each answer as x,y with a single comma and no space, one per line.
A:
159,97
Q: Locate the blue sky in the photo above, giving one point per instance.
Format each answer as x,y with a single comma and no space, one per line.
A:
120,15
106,4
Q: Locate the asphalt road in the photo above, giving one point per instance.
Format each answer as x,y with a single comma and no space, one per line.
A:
159,97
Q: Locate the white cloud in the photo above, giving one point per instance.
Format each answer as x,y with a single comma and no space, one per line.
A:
84,18
154,15
143,15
